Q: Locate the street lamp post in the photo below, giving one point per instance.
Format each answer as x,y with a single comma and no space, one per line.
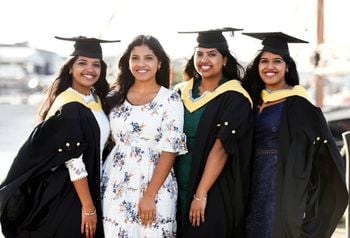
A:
320,40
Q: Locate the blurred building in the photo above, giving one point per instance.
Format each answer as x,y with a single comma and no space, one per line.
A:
24,69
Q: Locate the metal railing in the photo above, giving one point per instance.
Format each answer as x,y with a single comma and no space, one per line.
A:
346,153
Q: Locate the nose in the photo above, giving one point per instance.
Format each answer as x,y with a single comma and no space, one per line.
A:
90,67
204,58
140,62
270,64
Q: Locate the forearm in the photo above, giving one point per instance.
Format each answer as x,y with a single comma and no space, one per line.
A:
89,216
82,188
164,165
215,163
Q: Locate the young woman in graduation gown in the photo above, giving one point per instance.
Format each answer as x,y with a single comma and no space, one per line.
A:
53,186
298,186
213,177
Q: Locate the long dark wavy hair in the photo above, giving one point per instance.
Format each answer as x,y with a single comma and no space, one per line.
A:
232,69
64,80
125,78
253,83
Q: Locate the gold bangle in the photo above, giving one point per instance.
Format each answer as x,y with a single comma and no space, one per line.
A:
90,213
199,199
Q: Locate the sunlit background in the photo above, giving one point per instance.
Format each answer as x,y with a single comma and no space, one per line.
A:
30,55
36,22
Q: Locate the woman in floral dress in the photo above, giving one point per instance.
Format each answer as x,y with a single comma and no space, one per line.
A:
138,185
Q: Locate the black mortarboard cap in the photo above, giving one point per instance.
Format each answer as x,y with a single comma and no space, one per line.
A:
213,38
88,47
275,42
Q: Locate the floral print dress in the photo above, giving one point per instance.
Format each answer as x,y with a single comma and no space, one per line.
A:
141,133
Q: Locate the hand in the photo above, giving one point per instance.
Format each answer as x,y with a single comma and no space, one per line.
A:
197,211
147,210
88,222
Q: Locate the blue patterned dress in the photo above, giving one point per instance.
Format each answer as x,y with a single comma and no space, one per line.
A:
263,189
141,133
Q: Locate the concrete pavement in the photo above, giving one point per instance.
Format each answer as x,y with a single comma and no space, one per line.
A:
339,233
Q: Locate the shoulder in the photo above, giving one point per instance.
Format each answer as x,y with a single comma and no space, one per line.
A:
71,110
235,93
67,100
180,86
235,89
297,103
233,100
304,114
169,95
73,107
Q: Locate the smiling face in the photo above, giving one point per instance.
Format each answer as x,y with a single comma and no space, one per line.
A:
272,70
208,62
143,63
85,73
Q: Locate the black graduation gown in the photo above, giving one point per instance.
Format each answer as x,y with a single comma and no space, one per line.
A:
311,194
227,117
52,207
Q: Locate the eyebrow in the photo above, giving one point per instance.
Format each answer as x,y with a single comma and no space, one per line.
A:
272,58
210,51
85,60
143,55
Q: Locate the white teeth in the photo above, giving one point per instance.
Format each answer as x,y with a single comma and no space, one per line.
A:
142,71
204,67
269,74
89,76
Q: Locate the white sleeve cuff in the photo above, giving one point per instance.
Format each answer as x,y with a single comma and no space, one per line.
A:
76,168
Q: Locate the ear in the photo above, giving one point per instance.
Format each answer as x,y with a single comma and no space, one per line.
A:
224,62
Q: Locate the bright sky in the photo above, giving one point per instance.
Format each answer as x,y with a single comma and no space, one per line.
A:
38,21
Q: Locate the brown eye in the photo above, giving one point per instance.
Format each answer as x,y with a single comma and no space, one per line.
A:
212,54
81,63
199,54
278,61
